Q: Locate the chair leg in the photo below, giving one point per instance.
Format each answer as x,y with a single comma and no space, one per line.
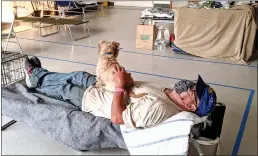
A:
7,42
14,34
9,35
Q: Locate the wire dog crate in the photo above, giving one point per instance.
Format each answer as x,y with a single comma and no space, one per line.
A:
11,72
11,67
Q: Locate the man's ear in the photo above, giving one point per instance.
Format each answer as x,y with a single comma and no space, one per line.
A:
191,108
100,44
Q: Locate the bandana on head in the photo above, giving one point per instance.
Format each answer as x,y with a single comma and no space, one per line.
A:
206,95
183,86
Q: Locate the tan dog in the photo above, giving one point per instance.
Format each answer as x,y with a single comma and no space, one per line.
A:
108,53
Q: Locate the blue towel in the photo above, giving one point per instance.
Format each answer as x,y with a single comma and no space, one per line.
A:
178,50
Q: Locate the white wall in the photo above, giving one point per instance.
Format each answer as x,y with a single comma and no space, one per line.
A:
134,3
161,2
179,3
7,12
176,3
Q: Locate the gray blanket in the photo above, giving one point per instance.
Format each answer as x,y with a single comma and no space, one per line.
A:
60,120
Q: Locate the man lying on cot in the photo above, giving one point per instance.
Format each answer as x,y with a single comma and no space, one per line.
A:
160,103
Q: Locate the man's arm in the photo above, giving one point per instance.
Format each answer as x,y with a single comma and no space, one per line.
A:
117,108
118,105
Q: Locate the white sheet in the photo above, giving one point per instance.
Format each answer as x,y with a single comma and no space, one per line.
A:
169,138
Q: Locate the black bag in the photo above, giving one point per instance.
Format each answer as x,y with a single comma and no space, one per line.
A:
213,130
206,139
216,117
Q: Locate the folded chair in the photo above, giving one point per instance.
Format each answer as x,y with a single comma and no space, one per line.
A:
11,33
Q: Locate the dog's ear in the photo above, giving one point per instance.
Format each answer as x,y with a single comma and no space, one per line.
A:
115,45
100,44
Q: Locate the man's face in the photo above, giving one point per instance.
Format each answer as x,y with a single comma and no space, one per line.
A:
187,100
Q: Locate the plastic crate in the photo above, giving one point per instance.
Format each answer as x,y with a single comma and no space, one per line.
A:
11,67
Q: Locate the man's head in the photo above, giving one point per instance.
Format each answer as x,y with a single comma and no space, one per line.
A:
195,97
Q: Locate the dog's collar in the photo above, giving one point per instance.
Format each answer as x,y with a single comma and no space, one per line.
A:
108,53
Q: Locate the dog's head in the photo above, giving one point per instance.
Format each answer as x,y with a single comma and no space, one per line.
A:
108,48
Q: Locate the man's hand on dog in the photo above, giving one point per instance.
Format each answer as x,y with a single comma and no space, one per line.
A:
121,77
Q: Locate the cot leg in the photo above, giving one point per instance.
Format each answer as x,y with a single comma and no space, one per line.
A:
40,30
75,39
70,32
88,29
102,9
